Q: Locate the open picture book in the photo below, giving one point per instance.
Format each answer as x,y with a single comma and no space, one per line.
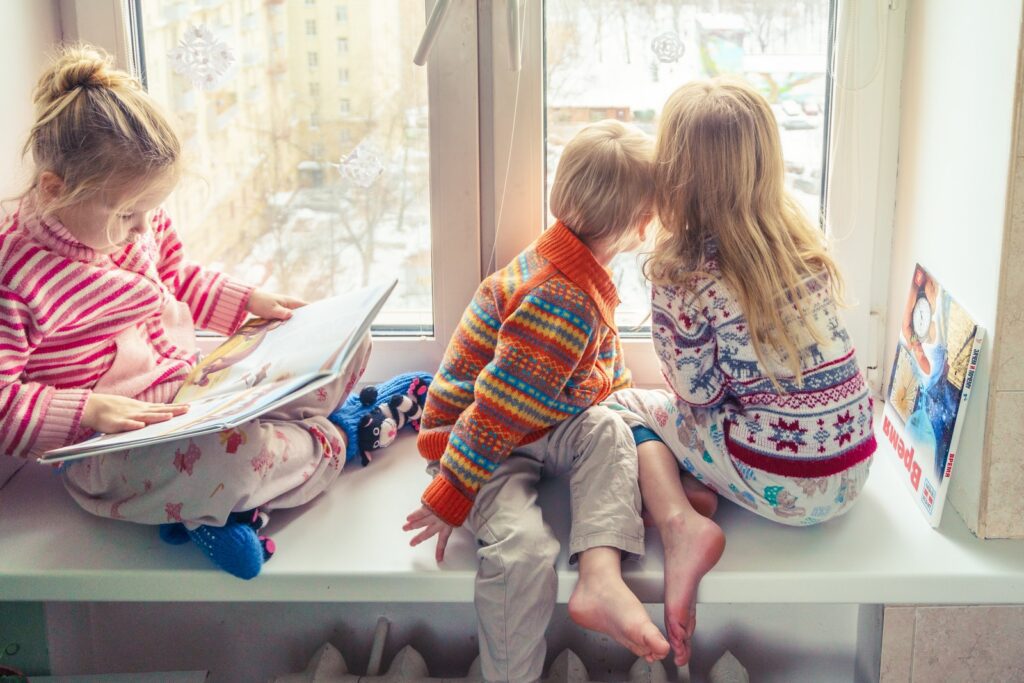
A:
264,365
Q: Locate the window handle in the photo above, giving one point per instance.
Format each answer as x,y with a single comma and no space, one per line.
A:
433,27
514,24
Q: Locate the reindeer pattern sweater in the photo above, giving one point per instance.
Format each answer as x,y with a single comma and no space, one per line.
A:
816,429
74,321
537,345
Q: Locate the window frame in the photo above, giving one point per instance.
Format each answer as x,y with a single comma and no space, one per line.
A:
454,166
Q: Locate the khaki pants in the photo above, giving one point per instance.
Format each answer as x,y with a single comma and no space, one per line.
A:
516,583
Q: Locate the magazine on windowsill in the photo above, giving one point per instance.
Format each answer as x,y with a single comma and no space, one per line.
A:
263,366
936,360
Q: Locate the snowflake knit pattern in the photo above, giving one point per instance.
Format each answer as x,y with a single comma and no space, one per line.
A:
816,429
537,345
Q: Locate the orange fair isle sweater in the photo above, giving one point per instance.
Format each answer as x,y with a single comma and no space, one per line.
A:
537,345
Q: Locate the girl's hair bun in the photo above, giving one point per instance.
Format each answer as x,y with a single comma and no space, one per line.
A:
78,67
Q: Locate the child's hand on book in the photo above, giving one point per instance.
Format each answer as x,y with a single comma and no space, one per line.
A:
272,306
110,414
432,525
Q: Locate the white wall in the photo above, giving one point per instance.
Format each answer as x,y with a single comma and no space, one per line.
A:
31,31
955,146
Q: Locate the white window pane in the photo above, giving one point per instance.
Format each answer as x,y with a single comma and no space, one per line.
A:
267,195
621,60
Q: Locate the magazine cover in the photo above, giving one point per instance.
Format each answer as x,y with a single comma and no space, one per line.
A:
936,358
266,364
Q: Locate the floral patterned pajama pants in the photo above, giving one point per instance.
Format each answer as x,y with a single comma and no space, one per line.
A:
697,439
282,459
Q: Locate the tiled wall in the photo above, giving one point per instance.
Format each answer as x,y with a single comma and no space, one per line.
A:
963,644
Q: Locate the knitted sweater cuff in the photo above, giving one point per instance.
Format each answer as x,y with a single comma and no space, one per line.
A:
432,442
229,310
59,425
445,501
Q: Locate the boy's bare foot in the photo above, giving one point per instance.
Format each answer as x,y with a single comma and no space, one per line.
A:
605,604
693,545
703,499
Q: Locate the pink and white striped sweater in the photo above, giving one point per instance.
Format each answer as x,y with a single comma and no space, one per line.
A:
73,321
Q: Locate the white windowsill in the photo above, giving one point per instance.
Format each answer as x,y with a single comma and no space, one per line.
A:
348,547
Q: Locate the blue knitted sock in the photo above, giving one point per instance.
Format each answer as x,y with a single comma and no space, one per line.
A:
175,533
235,548
356,406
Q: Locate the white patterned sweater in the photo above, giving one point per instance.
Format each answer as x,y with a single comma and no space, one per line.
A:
816,429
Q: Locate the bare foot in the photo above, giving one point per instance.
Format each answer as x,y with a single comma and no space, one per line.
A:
693,545
608,606
703,499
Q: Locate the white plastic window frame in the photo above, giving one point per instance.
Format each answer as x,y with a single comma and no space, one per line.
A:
454,166
864,123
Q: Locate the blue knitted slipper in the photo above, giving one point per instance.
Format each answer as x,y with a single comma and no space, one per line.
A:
356,406
175,533
235,548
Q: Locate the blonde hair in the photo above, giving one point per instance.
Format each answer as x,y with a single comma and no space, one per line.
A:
720,184
95,125
603,189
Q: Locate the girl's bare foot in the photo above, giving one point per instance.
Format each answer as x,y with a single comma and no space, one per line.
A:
603,602
693,545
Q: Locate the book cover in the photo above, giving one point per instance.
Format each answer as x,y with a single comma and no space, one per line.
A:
932,375
264,365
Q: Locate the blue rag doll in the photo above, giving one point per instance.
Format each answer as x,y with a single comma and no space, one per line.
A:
371,420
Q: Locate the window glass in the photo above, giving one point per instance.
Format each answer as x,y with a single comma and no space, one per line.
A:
621,60
324,198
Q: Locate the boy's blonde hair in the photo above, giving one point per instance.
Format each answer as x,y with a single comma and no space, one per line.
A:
96,127
603,188
720,183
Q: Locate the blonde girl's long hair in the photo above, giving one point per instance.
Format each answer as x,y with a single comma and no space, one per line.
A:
720,183
95,126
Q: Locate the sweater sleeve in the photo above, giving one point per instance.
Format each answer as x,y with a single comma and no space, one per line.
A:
517,393
686,345
622,377
34,417
217,302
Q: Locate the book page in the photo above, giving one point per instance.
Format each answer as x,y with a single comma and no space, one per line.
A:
205,415
315,340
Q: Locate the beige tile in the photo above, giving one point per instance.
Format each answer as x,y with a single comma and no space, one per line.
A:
968,644
1004,508
897,644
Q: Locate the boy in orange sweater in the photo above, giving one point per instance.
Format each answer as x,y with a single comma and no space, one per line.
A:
516,399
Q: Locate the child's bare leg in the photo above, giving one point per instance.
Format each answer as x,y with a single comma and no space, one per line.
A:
693,543
703,499
602,602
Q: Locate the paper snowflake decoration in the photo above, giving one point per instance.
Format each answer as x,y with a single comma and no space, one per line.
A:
668,47
201,58
362,166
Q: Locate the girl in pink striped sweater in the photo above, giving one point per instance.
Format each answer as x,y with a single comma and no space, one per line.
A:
98,308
